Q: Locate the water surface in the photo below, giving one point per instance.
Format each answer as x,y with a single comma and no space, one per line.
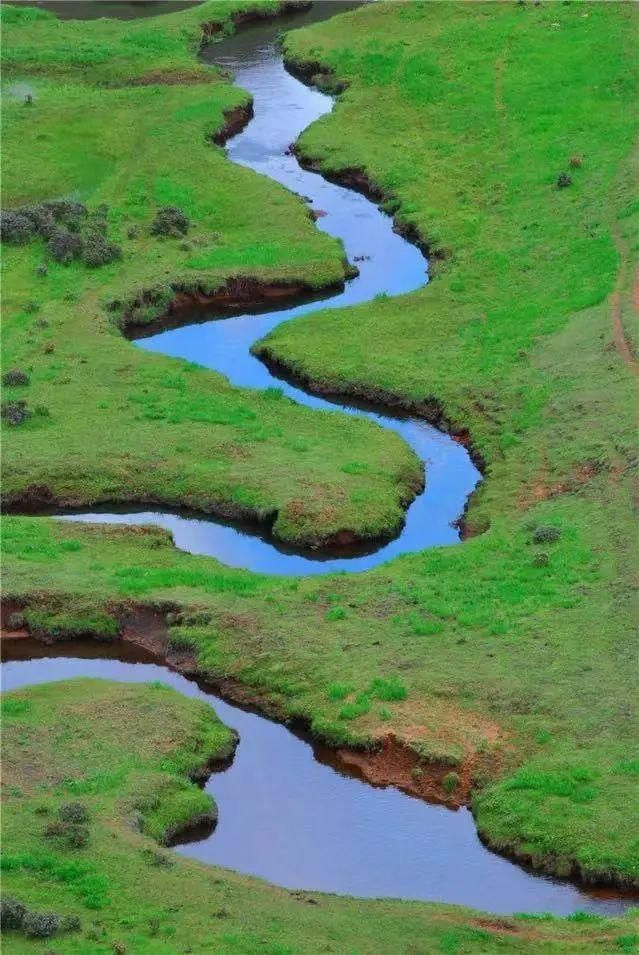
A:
387,264
287,815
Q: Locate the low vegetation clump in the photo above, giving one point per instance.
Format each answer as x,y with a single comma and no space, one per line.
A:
16,917
16,411
15,377
71,826
546,534
70,231
170,222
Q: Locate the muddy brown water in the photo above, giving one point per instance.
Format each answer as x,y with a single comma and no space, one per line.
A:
289,813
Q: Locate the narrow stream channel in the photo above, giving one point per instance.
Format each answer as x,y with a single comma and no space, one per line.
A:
388,265
289,815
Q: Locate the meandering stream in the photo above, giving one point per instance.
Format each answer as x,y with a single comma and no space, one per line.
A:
287,811
387,264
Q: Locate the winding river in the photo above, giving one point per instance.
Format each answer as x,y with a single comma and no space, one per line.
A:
387,264
287,811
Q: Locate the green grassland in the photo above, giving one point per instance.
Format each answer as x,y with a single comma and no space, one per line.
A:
132,895
513,652
168,431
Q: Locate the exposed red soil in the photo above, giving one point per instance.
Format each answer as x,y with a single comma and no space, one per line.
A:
391,765
395,764
234,122
173,78
542,489
616,303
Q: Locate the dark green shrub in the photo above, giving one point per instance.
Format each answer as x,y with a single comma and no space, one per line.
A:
15,412
41,924
74,812
564,180
133,232
170,221
73,835
541,559
97,250
15,621
14,377
546,534
64,246
42,270
71,923
16,227
71,214
43,219
12,913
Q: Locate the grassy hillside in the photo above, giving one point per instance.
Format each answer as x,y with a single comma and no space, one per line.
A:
511,657
108,422
129,894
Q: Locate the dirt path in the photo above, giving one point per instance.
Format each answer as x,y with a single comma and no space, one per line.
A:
616,302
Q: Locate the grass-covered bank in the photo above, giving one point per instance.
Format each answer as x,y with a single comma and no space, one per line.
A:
115,122
512,653
84,812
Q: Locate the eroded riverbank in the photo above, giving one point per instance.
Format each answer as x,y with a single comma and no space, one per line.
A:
295,814
387,264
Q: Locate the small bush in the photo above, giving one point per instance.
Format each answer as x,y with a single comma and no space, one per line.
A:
133,232
15,412
41,924
12,913
71,923
450,782
64,246
16,228
42,270
15,621
15,377
336,613
546,534
97,250
73,835
170,221
75,812
69,213
541,559
564,180
576,162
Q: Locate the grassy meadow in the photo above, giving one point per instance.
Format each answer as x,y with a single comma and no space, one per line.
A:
115,888
168,431
511,655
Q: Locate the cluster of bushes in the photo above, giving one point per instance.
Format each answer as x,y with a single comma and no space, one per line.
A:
16,916
170,221
69,229
71,826
16,411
